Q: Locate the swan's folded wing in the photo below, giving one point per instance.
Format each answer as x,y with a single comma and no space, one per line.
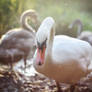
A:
71,49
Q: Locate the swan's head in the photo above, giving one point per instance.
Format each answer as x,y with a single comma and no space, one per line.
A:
42,38
77,21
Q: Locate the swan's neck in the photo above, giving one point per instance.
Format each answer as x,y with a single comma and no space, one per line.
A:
80,26
48,56
23,21
45,36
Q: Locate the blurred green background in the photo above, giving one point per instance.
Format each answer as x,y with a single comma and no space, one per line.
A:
63,11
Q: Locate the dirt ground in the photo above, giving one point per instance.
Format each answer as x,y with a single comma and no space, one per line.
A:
19,82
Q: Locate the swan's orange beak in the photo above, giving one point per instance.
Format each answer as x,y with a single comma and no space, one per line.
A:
40,55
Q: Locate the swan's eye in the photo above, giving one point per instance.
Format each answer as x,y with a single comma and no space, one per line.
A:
44,43
41,45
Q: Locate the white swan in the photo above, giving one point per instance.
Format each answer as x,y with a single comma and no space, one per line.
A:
83,35
62,58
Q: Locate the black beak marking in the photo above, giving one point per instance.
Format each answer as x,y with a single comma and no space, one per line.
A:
39,63
40,46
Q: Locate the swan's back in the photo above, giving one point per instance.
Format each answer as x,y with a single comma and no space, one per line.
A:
16,38
86,36
70,49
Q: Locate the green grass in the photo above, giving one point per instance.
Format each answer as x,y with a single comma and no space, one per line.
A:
64,14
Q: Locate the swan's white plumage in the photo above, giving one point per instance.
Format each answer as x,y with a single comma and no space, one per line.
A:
69,60
43,35
69,47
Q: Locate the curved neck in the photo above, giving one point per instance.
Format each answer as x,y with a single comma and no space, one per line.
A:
80,26
50,44
23,20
